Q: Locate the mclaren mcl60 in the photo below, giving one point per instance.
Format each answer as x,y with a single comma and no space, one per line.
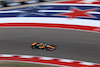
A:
47,47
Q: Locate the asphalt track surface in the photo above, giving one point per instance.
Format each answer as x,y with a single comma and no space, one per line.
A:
71,44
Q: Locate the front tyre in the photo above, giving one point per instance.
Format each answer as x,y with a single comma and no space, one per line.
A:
48,49
52,49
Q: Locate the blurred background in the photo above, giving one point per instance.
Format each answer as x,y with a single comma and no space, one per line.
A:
5,3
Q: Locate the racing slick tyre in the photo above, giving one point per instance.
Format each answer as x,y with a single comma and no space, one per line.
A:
33,47
48,49
53,48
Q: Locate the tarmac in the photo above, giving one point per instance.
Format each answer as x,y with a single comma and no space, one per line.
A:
71,44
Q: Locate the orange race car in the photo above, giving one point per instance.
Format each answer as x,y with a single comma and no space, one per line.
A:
43,46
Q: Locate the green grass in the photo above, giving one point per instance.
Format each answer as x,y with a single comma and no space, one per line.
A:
20,64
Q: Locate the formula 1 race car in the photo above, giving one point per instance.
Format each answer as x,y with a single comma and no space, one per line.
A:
48,47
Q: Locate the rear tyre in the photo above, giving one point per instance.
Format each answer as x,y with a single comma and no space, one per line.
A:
33,47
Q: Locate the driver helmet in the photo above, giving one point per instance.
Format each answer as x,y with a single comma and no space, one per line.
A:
41,43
